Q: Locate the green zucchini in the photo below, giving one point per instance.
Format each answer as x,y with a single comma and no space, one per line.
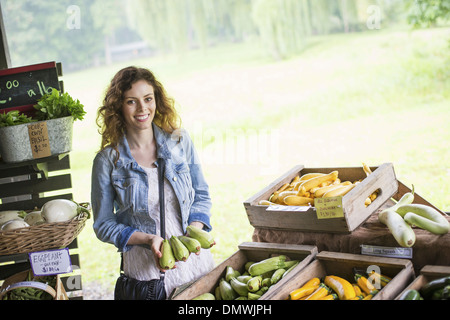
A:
205,296
428,289
424,217
254,284
277,275
441,294
240,288
401,230
410,294
226,290
266,265
407,198
231,273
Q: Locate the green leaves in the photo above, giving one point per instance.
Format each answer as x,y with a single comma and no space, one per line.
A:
56,105
13,118
53,105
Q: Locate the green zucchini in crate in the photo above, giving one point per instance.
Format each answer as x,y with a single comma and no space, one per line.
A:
248,253
267,265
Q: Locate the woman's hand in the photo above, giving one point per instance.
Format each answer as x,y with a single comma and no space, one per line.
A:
197,224
152,240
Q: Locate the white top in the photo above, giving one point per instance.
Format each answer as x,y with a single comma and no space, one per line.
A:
139,263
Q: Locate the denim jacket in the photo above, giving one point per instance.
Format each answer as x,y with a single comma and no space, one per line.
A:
119,192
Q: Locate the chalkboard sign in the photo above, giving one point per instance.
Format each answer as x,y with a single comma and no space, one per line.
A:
21,87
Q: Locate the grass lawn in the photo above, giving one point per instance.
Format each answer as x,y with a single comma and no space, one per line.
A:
374,97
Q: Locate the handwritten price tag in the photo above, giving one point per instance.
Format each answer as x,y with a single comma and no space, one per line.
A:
329,208
39,142
50,262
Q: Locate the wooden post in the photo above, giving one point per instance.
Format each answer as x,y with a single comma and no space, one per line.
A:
5,59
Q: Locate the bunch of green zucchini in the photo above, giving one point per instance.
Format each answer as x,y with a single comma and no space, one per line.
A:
438,289
251,284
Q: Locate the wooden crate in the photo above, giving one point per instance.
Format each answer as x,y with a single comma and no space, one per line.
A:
427,274
341,265
355,212
248,251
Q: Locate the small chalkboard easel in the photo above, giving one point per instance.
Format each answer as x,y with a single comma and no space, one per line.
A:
21,87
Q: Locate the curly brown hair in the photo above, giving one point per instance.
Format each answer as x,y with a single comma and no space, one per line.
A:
109,116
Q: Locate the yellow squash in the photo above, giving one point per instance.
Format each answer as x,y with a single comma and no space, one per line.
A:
302,292
293,200
339,192
321,191
331,296
365,284
342,287
380,278
320,292
308,176
284,194
316,181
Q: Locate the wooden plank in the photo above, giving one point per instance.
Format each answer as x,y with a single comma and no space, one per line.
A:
24,187
53,158
9,270
5,58
32,203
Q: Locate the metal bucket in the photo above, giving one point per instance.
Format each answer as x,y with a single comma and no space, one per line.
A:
15,143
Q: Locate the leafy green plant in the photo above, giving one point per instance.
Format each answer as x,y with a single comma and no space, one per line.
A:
13,118
58,105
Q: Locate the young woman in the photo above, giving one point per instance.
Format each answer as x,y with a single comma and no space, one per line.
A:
139,124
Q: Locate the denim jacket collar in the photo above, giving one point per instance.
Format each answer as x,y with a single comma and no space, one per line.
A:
162,149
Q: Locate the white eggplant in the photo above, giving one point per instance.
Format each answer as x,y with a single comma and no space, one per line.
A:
34,218
14,224
8,215
59,210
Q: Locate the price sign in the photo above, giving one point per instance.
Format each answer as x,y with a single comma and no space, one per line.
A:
39,141
329,208
391,252
50,262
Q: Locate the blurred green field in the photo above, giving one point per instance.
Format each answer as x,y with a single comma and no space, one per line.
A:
374,97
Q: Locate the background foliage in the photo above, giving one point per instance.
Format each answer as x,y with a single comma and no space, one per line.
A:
282,27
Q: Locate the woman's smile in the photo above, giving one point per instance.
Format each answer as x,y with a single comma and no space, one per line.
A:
142,118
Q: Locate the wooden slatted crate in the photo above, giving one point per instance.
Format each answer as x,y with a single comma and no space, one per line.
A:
382,180
248,251
28,185
342,265
427,273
